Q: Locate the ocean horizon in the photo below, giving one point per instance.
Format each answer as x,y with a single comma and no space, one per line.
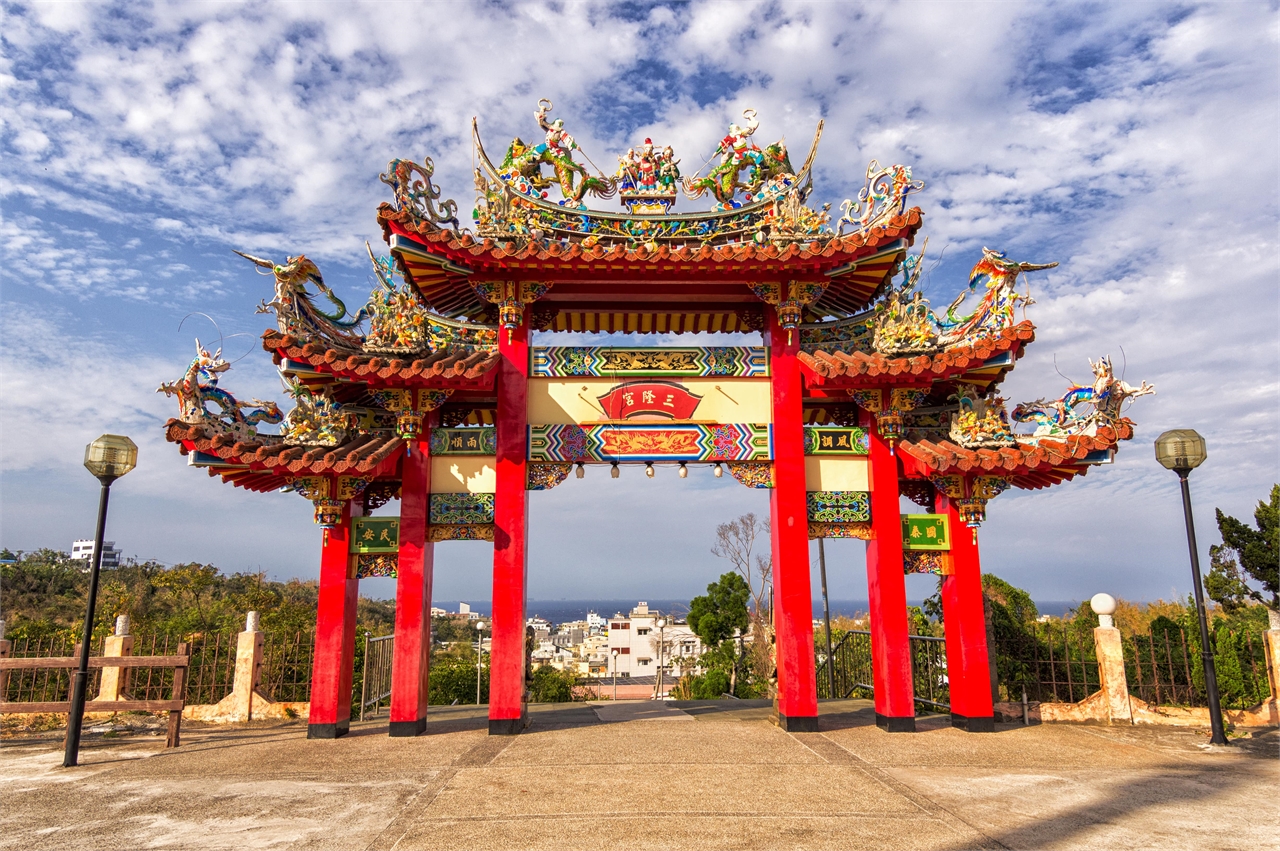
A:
562,611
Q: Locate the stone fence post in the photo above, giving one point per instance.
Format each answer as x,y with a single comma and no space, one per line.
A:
115,681
1110,652
249,646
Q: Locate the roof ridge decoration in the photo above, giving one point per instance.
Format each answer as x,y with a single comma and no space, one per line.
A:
882,196
979,423
198,386
1083,408
399,323
316,419
419,196
512,202
648,178
296,312
908,326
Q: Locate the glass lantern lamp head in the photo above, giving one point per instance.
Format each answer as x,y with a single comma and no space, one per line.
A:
614,472
648,469
581,471
684,470
110,457
1181,450
480,626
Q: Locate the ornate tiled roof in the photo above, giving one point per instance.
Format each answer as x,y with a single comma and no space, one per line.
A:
1034,463
841,368
463,247
436,369
266,463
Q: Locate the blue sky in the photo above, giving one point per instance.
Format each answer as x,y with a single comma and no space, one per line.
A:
1134,143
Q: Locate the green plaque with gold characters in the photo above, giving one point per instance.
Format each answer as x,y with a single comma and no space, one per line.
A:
925,532
375,535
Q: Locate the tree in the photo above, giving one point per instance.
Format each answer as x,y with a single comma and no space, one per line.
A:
1018,603
737,541
714,616
1248,557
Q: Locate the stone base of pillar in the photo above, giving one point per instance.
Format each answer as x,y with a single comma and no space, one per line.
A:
892,724
507,726
973,725
406,729
798,723
328,731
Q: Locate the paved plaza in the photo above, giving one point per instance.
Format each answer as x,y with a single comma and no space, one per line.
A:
641,775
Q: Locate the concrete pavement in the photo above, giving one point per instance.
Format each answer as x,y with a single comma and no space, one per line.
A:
644,775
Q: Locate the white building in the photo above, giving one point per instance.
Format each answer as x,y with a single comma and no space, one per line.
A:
636,637
83,550
464,609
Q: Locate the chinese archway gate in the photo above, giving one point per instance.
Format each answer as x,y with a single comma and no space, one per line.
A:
860,394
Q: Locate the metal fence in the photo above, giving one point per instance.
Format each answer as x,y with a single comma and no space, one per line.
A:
850,663
1164,667
375,673
1053,662
286,666
929,672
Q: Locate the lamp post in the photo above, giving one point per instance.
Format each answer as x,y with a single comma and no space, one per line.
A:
661,624
826,616
479,656
615,674
108,458
1182,450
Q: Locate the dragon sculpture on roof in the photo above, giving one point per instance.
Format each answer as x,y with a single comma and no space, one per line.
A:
296,312
522,166
198,386
769,168
1083,407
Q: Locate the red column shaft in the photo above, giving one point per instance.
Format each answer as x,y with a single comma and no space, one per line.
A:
332,667
510,556
789,522
968,670
887,592
410,664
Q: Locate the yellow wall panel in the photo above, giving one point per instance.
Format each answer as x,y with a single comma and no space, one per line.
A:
827,473
463,474
554,401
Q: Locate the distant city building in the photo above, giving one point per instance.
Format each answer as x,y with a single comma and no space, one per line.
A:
595,623
464,609
438,612
83,550
636,637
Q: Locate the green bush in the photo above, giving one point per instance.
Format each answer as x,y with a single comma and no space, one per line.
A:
547,685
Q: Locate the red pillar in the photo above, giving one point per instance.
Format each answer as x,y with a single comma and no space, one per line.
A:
510,557
409,667
887,593
789,522
968,670
332,666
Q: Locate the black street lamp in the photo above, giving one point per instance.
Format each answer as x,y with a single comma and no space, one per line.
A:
108,458
1182,450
